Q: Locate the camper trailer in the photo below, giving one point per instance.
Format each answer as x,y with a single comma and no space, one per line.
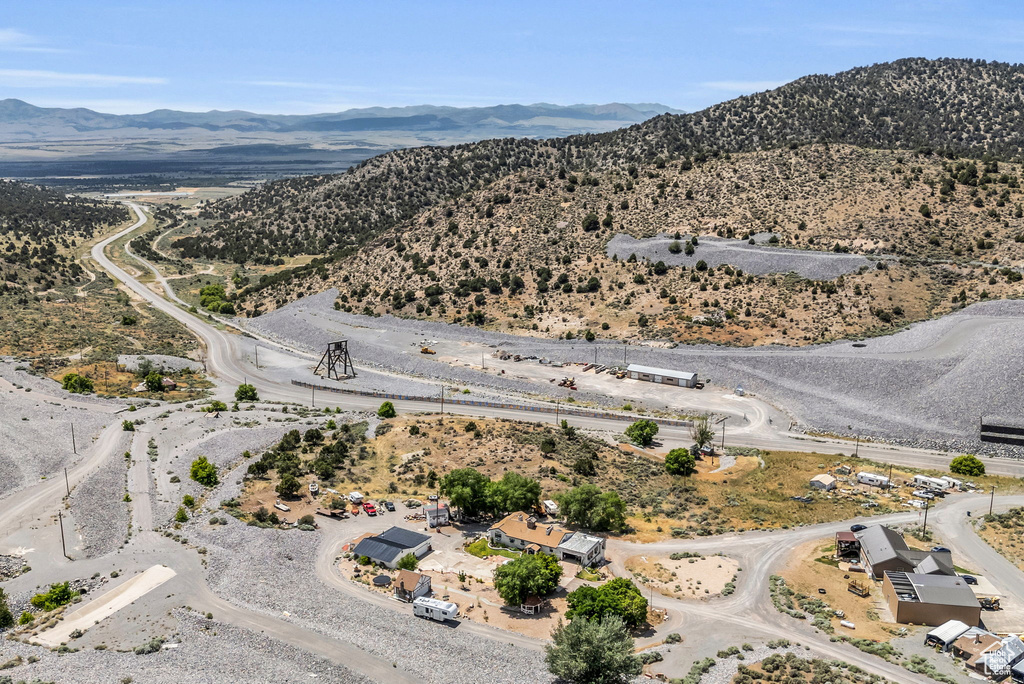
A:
434,609
873,479
926,482
356,498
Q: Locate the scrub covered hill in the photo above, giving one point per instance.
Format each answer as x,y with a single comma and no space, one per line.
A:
39,231
948,106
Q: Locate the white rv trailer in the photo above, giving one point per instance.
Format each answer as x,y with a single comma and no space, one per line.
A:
434,609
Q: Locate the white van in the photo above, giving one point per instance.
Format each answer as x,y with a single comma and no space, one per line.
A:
434,609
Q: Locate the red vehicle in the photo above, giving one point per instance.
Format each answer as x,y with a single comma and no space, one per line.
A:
370,509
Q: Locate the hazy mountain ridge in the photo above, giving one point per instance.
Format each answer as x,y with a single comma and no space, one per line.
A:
18,117
912,103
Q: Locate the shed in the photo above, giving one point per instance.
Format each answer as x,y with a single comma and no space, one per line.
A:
945,634
438,515
824,482
662,376
409,586
847,545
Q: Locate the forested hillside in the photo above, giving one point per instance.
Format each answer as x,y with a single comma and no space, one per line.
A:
39,229
948,107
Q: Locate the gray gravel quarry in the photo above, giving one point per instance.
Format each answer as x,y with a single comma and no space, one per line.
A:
98,505
758,259
273,572
161,362
36,433
925,386
202,650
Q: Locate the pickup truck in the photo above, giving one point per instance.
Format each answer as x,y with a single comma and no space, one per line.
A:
370,509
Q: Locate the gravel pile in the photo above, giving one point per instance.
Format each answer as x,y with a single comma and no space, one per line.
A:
273,572
923,387
725,669
36,438
98,506
756,259
11,566
161,362
221,448
206,651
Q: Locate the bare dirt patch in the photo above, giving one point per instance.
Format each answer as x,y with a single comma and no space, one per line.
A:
700,577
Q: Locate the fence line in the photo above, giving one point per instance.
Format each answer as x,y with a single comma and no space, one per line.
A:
560,410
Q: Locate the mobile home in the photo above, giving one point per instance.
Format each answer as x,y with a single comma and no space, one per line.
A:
930,482
434,609
873,479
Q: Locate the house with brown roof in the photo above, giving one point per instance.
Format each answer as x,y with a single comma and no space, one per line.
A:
987,653
410,585
521,531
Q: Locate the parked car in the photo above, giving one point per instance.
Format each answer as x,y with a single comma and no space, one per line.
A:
969,579
922,494
858,528
370,509
940,549
390,506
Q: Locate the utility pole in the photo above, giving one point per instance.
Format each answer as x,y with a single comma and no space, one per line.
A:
257,347
483,361
312,396
442,402
624,343
924,530
889,484
992,500
60,519
556,412
856,452
74,447
67,484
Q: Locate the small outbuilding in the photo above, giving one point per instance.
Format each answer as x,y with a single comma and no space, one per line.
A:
661,376
438,515
409,586
823,482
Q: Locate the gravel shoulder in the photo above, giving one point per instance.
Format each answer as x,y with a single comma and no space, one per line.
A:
98,504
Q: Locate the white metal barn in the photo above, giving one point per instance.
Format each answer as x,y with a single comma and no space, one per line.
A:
662,376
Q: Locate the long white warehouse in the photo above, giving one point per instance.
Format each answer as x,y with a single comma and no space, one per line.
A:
661,376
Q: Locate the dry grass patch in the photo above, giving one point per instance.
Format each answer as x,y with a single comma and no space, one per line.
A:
695,577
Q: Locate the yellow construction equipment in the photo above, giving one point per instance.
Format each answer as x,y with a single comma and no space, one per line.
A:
427,350
989,603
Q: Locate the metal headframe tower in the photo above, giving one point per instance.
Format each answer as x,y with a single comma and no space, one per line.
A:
337,357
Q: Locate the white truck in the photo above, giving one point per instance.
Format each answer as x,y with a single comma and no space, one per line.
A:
434,609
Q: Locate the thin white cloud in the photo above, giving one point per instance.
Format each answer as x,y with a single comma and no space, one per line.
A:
879,30
742,86
307,85
30,78
13,40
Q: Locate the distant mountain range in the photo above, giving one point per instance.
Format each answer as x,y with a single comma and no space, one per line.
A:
22,121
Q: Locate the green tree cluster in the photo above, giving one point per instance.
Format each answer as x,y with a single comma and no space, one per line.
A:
474,493
204,472
246,392
76,384
619,597
642,432
154,382
680,462
593,652
535,574
6,617
58,595
408,562
587,506
387,410
967,464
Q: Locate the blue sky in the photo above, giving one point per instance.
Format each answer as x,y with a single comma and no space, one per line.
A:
309,56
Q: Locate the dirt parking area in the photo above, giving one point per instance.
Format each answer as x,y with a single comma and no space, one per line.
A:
807,572
694,577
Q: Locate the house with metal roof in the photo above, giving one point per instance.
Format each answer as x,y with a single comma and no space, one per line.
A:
922,599
582,549
388,547
824,482
663,376
883,549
